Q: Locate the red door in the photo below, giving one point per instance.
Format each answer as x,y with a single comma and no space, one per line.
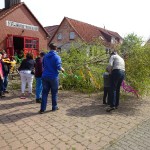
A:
31,45
9,45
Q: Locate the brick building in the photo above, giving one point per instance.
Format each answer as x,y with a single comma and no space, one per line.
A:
20,30
71,31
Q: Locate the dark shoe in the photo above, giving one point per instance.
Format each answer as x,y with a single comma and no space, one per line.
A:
41,112
38,100
6,91
2,96
110,109
104,103
55,109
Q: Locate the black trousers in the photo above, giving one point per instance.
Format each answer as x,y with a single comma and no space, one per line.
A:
117,76
106,96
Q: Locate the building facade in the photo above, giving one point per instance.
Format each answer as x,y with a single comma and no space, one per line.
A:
72,31
20,30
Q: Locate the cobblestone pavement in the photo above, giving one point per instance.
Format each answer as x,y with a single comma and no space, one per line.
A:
81,123
137,139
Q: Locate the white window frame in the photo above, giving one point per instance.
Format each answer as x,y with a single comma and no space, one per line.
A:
59,36
72,35
113,40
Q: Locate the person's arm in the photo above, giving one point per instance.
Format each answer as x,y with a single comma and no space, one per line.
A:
62,69
110,65
58,63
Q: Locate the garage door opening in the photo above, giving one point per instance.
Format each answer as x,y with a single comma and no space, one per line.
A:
18,46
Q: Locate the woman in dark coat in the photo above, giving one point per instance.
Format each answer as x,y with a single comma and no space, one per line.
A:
26,73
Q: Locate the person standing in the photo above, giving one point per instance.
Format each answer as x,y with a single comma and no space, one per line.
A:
38,76
26,73
51,66
106,95
6,69
1,76
117,69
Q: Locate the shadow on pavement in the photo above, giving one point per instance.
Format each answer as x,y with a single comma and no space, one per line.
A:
9,118
128,106
15,104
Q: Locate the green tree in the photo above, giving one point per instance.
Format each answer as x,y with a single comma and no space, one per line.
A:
137,58
84,66
131,42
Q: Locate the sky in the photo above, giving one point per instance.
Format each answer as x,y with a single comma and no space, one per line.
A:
122,16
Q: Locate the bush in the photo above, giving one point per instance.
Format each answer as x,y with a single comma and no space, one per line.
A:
137,58
84,67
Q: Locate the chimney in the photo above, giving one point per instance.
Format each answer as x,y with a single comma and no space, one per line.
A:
10,3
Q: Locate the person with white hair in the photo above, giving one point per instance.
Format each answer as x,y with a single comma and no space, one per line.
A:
117,69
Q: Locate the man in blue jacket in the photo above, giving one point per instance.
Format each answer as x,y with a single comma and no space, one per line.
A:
50,77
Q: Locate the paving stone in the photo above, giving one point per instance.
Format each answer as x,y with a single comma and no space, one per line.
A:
15,145
135,139
47,146
81,123
31,145
3,143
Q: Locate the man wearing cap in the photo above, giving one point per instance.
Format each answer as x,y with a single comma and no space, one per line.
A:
50,79
117,69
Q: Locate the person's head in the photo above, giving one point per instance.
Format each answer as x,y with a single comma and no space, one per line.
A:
113,53
107,69
42,54
29,56
12,58
1,54
53,46
4,55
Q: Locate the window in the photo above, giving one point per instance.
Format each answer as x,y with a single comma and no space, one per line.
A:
31,43
113,40
100,37
72,36
59,36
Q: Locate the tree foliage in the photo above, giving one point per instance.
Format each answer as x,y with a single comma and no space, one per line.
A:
137,58
85,65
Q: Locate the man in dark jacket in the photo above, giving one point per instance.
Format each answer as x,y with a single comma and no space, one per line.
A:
50,80
38,76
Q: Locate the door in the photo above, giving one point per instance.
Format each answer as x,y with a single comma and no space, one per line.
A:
9,45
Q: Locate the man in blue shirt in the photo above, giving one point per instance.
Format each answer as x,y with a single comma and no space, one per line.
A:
50,77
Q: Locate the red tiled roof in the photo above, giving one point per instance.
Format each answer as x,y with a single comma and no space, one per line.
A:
4,12
89,32
86,31
51,29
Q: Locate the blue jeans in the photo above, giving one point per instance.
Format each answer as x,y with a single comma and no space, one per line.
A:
39,88
49,84
5,82
117,76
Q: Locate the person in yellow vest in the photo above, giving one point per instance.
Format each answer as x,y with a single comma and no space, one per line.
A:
12,64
